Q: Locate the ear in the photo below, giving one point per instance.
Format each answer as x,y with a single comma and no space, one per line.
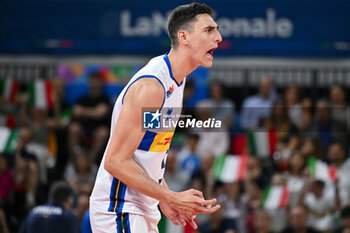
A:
182,37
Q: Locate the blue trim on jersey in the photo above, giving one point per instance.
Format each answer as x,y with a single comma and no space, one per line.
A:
128,223
117,195
119,226
147,140
121,201
146,76
166,59
112,195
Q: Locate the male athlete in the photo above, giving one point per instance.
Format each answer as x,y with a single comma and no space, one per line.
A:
129,184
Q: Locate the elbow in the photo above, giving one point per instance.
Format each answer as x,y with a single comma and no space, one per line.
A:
108,164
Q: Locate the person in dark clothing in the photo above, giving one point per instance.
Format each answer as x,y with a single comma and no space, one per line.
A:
90,120
53,217
298,221
345,221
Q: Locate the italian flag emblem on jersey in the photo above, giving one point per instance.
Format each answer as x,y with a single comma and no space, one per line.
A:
262,143
9,89
8,140
321,170
275,197
230,168
40,94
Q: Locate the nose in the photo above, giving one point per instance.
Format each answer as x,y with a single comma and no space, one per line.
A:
218,37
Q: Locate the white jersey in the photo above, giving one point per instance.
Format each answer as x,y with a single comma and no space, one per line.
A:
110,194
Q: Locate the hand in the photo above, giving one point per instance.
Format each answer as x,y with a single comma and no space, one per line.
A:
176,217
191,203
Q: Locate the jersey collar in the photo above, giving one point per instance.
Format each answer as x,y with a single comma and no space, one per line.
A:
166,59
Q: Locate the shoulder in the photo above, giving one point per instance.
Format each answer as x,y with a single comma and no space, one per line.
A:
145,91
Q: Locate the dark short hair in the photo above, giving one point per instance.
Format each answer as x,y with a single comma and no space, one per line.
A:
182,17
60,191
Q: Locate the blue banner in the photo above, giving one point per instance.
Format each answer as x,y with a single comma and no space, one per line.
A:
249,27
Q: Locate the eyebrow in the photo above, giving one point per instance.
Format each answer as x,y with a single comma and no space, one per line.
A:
211,27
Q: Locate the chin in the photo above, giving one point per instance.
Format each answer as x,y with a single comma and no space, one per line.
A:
207,64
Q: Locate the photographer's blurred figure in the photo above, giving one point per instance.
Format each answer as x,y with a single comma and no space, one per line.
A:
53,216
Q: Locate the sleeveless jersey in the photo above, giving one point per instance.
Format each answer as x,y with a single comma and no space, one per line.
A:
109,193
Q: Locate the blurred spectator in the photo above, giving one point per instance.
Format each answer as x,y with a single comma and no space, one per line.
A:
26,169
336,157
58,118
90,120
254,203
278,215
286,132
256,173
306,114
345,221
295,177
234,206
320,203
324,127
188,157
81,174
175,178
221,108
81,206
212,141
258,107
339,108
292,97
6,179
53,216
262,222
38,145
298,218
189,92
312,147
206,170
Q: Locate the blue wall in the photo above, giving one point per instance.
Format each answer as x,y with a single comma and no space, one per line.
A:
294,28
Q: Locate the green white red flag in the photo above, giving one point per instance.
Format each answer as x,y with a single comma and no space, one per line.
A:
262,143
9,89
40,94
275,197
230,168
8,140
321,170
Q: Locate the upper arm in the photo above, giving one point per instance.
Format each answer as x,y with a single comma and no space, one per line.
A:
127,133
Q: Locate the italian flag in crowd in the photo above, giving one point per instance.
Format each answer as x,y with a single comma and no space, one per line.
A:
9,89
275,197
8,139
230,168
262,144
166,226
8,121
40,94
321,170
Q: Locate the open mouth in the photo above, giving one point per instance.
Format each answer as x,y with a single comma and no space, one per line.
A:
210,53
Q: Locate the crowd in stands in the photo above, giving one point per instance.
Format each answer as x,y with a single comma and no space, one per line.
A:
293,154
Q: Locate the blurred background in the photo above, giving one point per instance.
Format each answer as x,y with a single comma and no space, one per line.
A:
279,83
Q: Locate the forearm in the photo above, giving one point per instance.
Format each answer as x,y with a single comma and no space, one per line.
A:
138,179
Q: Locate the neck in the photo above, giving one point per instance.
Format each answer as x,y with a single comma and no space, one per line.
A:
181,65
